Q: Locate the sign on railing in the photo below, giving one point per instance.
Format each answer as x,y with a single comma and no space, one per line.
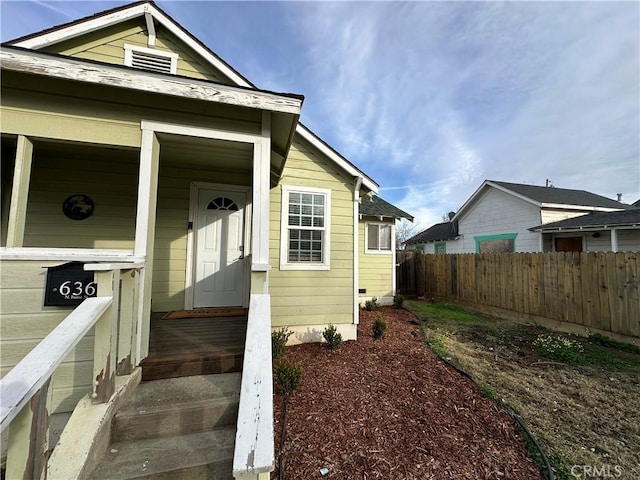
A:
68,285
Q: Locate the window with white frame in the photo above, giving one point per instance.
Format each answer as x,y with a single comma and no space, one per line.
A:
379,238
150,59
305,228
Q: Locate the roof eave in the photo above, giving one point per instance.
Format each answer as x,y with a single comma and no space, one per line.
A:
54,66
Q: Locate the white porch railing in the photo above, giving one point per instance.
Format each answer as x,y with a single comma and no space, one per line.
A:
26,390
254,451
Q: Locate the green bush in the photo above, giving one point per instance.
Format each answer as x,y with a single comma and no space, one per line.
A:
371,305
379,327
279,339
332,337
398,301
288,375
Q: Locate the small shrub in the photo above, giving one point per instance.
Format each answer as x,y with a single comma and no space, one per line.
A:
560,348
379,327
371,305
279,339
288,375
398,301
332,337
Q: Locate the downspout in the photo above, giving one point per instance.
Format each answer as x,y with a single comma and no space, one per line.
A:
356,251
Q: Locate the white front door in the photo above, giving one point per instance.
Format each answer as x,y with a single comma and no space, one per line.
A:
219,259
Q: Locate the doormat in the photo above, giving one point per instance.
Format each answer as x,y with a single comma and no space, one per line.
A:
206,313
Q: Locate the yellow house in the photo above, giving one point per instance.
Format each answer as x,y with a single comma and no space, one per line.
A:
133,154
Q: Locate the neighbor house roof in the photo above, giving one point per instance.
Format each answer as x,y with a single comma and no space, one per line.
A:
546,197
437,233
377,207
636,203
149,9
594,220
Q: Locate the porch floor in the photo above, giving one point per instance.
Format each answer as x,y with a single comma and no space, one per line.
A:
181,347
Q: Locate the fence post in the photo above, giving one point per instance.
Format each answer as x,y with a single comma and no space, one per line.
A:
106,338
28,450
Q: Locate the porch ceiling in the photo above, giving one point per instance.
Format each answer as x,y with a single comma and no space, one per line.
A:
183,151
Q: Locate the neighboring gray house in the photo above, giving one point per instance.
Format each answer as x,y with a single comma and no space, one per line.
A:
500,216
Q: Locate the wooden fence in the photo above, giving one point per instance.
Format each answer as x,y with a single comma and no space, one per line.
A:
598,290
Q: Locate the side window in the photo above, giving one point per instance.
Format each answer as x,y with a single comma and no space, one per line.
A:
379,238
305,228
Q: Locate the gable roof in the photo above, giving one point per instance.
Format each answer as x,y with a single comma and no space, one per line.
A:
565,196
546,197
116,15
437,233
375,206
594,220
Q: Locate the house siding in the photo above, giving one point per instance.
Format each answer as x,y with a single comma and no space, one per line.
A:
375,270
549,216
497,213
24,322
313,297
107,46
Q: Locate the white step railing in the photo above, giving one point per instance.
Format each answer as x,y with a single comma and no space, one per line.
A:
26,390
254,451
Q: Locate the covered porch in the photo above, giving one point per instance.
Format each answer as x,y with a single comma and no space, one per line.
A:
133,150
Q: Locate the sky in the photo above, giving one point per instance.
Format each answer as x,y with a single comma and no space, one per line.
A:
430,98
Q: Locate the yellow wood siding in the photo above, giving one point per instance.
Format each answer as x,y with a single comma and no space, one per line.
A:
312,297
170,250
111,185
375,270
107,45
24,322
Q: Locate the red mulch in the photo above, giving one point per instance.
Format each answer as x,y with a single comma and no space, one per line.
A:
390,409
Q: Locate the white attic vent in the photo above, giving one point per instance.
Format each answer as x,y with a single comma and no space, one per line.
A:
150,59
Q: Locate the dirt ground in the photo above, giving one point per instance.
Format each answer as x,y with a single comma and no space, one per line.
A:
390,409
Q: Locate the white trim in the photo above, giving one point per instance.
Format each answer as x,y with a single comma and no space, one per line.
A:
393,262
68,68
194,193
147,175
129,50
356,249
284,230
102,267
151,29
614,239
378,251
200,132
67,254
19,192
261,195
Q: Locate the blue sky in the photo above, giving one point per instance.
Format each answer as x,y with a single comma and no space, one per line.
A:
431,98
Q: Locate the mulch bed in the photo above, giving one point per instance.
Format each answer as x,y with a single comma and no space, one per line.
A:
390,409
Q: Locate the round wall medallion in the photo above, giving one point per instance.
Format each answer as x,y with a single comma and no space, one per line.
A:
78,206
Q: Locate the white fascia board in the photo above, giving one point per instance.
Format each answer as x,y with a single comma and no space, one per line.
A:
564,206
133,79
87,26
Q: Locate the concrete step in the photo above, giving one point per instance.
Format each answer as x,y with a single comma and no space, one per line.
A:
206,455
178,406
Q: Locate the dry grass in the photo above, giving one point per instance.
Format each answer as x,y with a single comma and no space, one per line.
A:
582,403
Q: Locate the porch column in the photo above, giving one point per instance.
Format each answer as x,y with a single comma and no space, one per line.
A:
20,192
614,239
261,198
145,233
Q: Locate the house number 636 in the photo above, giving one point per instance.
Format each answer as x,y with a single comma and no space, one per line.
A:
77,288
